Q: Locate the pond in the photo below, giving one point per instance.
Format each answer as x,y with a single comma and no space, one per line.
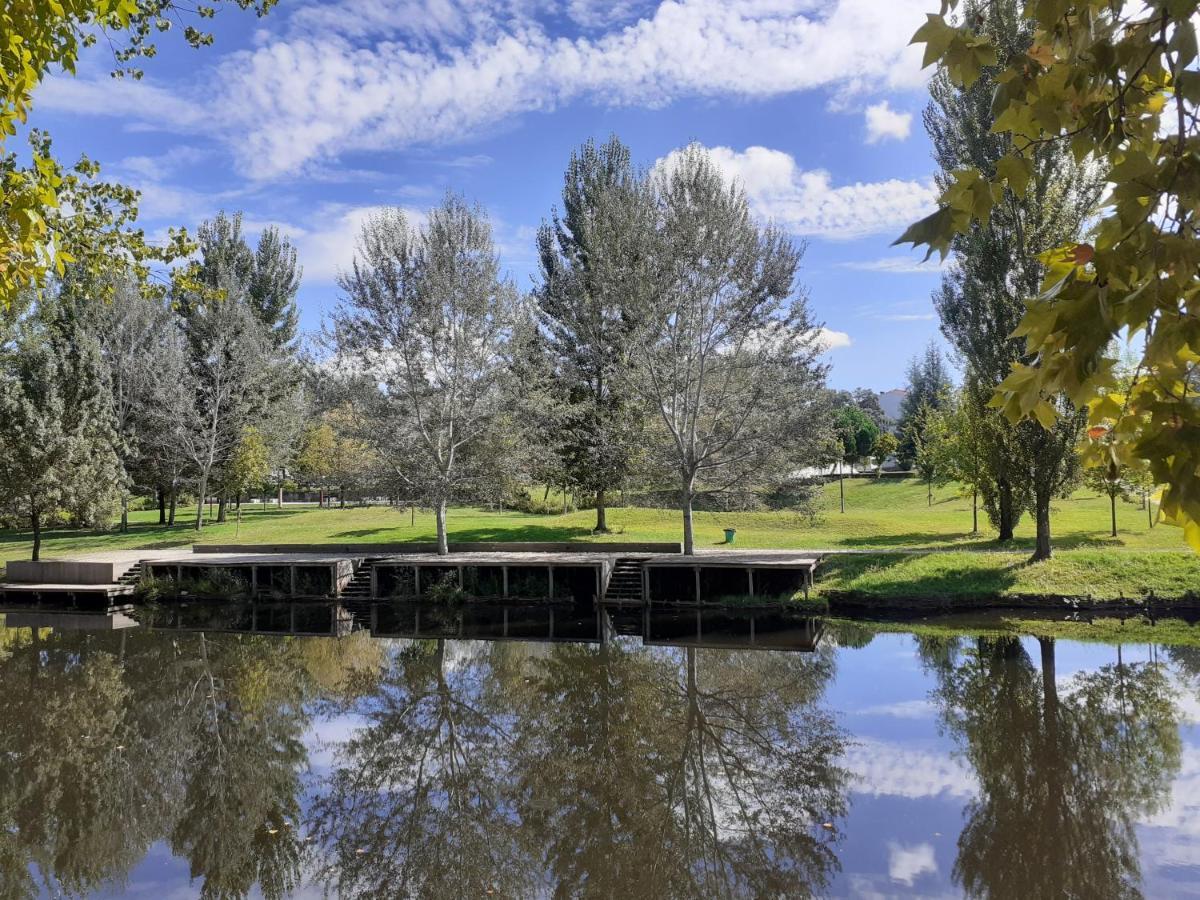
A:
668,758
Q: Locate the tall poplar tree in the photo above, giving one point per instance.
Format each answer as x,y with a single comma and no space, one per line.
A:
594,262
995,269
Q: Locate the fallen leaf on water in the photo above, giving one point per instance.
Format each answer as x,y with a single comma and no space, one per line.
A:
827,825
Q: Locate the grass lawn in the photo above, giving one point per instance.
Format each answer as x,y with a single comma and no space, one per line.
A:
881,516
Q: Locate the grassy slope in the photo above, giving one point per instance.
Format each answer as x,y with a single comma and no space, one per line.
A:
888,515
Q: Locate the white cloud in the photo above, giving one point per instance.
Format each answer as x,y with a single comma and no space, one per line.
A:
907,864
897,265
832,340
806,202
367,75
884,123
906,709
897,770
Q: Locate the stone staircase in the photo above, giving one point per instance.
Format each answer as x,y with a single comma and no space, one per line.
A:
132,576
625,583
359,586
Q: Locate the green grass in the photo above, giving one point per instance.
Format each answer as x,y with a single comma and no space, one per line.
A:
974,576
883,515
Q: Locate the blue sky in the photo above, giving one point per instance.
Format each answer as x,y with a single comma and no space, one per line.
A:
323,111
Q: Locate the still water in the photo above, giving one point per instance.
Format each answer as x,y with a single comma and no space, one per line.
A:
615,758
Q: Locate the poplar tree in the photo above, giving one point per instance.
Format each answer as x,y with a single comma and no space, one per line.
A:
995,269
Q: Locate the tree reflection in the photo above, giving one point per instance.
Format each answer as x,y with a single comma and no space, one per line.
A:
417,805
581,771
1064,769
111,742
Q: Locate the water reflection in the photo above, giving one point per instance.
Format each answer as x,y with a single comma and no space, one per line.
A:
1065,767
587,764
583,771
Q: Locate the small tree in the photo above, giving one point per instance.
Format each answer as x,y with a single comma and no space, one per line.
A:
856,435
1110,481
249,466
928,386
934,451
886,446
315,461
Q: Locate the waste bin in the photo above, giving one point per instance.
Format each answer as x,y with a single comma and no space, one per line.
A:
730,534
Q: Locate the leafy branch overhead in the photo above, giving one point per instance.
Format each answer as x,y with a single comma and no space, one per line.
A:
1115,84
39,218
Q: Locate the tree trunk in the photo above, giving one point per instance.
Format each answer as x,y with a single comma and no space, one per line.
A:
929,492
443,546
279,496
601,513
842,487
162,507
171,512
342,498
124,513
1112,499
564,499
222,503
975,512
321,498
1007,521
1042,514
1149,509
689,537
200,503
35,520
1049,688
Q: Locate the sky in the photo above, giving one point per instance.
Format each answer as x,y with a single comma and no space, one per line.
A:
324,111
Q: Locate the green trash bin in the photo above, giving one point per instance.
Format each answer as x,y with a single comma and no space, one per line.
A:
730,534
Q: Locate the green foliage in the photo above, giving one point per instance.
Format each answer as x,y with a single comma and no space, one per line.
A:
928,387
1115,83
48,216
856,433
250,463
56,430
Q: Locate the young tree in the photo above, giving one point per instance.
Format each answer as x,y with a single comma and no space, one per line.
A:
428,317
886,446
928,386
314,463
726,354
56,429
593,268
1124,95
856,435
1110,482
249,465
929,433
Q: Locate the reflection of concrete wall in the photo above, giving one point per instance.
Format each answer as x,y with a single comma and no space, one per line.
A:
61,571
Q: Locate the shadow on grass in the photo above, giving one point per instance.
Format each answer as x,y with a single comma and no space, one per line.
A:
921,577
498,533
907,539
180,532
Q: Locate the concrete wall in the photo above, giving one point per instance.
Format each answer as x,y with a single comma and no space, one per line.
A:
61,571
455,547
